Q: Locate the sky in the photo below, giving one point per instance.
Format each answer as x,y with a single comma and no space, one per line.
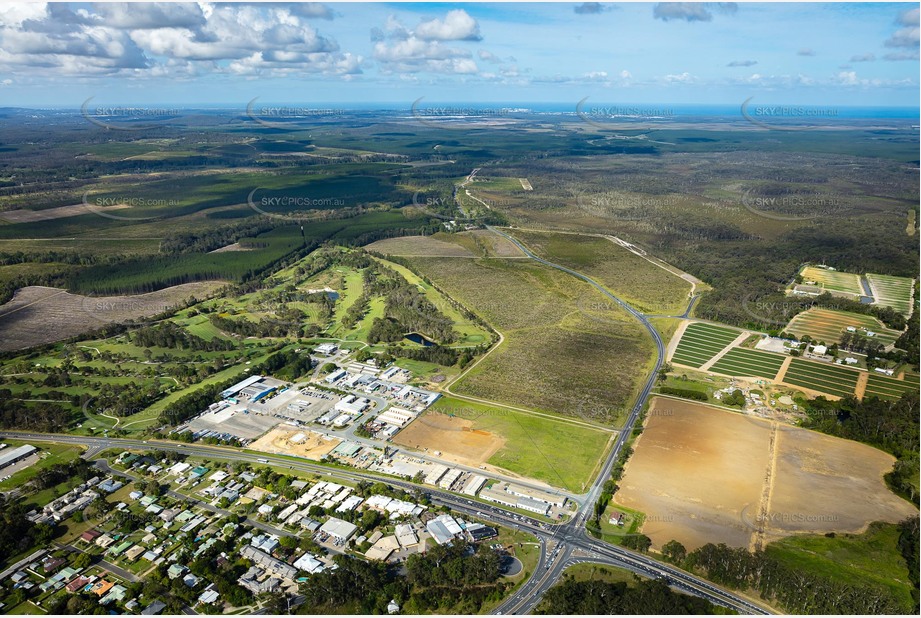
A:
212,53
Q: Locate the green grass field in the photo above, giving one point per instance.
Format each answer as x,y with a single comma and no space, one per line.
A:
831,379
826,325
554,358
556,451
700,342
745,362
870,558
628,276
833,280
892,291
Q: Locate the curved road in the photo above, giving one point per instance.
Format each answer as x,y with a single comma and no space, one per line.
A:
561,544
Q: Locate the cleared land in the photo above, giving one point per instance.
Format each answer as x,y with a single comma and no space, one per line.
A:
828,325
833,281
312,446
419,246
559,452
825,378
702,474
37,315
642,284
700,342
556,357
746,362
895,292
454,436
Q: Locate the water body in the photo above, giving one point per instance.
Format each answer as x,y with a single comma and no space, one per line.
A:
333,295
417,338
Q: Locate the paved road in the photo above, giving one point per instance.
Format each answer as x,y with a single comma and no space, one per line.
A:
558,542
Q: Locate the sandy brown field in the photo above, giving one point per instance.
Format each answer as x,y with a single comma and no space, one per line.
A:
701,474
278,441
37,315
453,436
418,246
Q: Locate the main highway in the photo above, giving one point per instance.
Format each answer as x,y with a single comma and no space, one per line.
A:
561,545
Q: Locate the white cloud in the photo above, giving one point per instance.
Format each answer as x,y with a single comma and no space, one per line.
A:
691,11
863,58
742,63
591,8
456,26
400,50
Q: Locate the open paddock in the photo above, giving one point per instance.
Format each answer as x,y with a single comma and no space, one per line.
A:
702,474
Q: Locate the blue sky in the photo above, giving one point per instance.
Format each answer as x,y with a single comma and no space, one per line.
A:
668,53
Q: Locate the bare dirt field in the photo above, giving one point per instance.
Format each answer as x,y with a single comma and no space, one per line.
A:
418,246
37,315
310,445
496,245
48,214
701,474
454,437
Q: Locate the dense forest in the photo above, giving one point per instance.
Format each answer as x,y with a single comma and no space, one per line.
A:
595,597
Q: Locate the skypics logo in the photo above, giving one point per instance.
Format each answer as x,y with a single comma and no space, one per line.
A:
622,116
285,117
292,204
805,207
457,118
786,521
624,206
767,311
102,205
129,309
784,117
125,118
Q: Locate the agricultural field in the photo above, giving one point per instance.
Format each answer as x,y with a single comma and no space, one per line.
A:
745,362
886,387
827,325
39,315
643,285
833,281
895,292
700,342
824,378
702,474
557,352
556,451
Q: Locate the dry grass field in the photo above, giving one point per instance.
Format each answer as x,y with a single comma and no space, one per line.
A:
419,246
37,315
565,349
702,474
